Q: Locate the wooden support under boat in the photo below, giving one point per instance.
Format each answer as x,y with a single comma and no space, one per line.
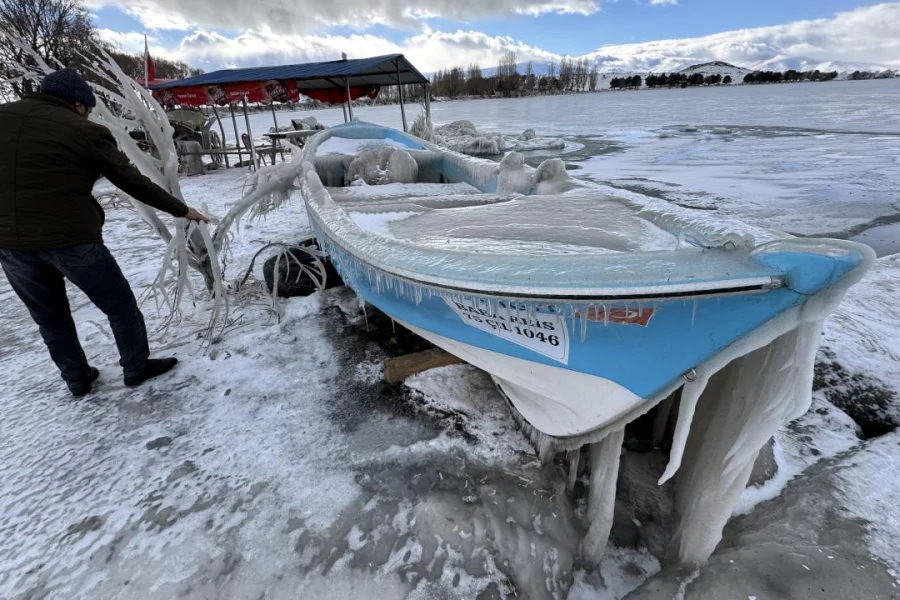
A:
398,368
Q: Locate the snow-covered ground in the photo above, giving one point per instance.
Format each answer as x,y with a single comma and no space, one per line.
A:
280,465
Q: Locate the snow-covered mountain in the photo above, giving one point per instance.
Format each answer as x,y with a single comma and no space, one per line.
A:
784,63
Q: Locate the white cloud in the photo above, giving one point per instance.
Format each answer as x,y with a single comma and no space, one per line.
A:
306,16
131,42
850,39
858,37
150,15
663,2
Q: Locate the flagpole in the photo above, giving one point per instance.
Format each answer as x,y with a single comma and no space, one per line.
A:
146,69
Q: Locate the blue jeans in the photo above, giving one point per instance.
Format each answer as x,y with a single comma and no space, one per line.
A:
37,277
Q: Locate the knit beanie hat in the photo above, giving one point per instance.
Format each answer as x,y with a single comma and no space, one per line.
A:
70,86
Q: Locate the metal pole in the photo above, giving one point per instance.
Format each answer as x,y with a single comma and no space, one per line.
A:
237,136
274,118
274,140
400,87
222,129
250,135
349,101
427,104
344,108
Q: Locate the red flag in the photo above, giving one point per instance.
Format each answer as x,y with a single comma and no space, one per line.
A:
149,69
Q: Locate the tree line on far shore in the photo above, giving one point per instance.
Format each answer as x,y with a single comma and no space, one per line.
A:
788,76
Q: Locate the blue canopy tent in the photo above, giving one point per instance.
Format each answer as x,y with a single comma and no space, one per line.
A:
347,77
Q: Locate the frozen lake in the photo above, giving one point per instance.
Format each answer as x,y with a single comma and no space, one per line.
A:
810,159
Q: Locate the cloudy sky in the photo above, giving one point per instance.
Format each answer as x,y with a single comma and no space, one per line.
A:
638,35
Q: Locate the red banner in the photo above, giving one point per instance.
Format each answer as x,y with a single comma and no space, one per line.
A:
339,96
230,93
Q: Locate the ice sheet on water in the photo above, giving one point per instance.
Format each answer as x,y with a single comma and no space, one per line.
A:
462,136
868,484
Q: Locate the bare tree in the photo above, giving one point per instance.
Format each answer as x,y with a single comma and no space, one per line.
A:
54,29
529,69
566,70
507,65
133,65
592,76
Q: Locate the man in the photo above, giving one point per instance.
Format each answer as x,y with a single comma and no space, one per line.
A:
50,224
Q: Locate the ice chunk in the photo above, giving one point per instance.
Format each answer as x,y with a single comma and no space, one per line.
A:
381,165
457,128
514,177
463,137
551,177
484,145
402,167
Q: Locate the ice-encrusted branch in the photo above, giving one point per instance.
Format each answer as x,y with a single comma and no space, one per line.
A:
272,186
187,244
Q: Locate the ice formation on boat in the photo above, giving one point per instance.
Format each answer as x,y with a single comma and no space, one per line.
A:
588,310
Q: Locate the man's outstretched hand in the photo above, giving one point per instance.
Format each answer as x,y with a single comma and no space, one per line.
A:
194,215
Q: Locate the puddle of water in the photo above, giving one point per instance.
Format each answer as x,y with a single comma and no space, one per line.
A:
884,239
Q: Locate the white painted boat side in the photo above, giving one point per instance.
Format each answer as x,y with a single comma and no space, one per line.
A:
556,401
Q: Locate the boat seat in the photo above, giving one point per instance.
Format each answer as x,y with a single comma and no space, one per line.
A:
608,225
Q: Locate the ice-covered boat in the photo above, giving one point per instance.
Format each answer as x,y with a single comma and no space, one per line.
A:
586,308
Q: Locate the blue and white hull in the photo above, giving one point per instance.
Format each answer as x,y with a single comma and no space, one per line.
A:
578,342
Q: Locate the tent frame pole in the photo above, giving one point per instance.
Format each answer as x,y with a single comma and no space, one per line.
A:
349,101
222,129
427,87
274,118
237,136
400,87
253,157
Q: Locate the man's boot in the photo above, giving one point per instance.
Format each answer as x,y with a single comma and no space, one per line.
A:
82,389
154,368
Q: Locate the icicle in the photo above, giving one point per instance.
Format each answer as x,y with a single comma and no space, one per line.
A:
694,313
574,457
604,464
726,436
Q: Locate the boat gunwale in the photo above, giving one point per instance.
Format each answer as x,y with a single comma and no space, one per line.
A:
748,285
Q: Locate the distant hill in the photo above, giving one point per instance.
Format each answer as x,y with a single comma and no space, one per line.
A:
717,67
